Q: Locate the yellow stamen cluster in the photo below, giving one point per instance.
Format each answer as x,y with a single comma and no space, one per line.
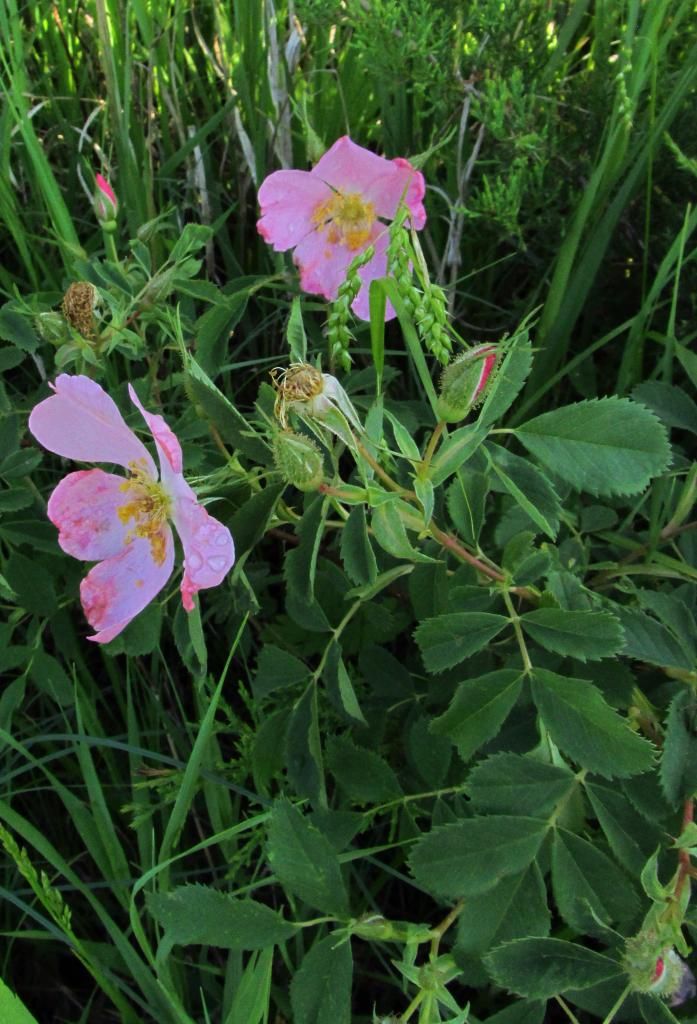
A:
347,218
300,382
150,506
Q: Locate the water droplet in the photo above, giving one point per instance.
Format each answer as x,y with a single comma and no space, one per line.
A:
217,562
221,540
193,561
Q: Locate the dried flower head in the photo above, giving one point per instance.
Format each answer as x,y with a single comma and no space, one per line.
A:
78,308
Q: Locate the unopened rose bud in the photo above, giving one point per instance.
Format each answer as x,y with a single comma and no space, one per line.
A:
52,328
464,382
105,204
660,971
298,460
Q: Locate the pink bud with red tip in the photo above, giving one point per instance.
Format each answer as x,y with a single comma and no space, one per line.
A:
105,202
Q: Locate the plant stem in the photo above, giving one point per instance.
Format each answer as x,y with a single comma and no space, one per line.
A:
433,441
515,621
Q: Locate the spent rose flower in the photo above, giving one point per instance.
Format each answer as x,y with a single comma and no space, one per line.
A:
122,522
331,214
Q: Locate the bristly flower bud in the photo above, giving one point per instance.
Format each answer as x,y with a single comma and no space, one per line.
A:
656,969
464,382
105,204
298,460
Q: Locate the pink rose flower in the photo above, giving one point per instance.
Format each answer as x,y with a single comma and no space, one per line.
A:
122,522
332,213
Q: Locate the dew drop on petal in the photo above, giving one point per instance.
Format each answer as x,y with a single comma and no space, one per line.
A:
217,562
193,561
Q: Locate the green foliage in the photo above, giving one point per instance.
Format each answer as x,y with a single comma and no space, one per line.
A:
448,686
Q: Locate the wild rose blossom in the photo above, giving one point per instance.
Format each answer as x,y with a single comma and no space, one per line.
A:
335,211
122,523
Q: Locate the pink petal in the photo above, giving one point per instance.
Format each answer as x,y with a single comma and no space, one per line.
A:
81,422
209,551
322,264
104,186
351,168
288,200
84,506
115,590
168,447
377,267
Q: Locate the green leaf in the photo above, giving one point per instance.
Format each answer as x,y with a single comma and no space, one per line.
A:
528,486
17,329
202,916
479,709
12,1009
678,771
582,635
454,453
603,446
295,333
300,565
587,729
430,754
632,839
469,857
543,968
651,641
446,640
356,550
250,522
515,908
50,676
192,238
32,584
509,379
363,775
213,330
233,427
304,862
391,535
320,992
670,403
277,668
520,1012
512,783
304,750
585,880
466,500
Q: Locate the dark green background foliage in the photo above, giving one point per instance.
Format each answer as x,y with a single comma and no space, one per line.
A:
433,742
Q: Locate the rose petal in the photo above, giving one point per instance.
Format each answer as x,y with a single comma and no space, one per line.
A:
168,447
351,168
84,506
209,552
82,422
115,590
288,200
377,267
322,264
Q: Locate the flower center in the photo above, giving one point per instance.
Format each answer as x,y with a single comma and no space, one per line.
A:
347,218
150,506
